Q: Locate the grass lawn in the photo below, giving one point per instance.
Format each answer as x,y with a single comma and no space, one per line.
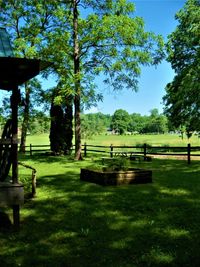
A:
78,224
107,140
156,140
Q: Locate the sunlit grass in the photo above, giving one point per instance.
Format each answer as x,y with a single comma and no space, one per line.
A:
107,140
40,139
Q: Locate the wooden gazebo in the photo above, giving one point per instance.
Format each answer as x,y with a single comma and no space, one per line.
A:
13,73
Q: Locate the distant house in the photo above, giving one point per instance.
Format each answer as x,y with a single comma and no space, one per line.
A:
110,131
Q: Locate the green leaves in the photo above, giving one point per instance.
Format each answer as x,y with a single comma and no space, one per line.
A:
112,40
116,44
183,47
120,121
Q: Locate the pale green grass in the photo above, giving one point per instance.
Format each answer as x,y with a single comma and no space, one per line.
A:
107,140
40,139
162,139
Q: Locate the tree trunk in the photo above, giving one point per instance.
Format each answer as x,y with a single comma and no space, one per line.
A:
25,119
77,83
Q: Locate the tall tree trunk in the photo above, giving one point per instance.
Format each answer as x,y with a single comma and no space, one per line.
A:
77,84
25,119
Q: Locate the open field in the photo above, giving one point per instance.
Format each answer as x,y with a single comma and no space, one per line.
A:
162,139
78,224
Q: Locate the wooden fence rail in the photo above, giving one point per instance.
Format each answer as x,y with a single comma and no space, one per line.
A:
143,150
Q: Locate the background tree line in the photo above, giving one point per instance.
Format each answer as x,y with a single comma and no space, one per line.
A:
121,122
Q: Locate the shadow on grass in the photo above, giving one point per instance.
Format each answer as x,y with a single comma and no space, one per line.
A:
46,158
77,224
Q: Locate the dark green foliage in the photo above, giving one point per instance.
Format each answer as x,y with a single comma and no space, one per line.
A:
56,139
68,128
120,163
182,99
61,127
120,121
39,123
155,123
94,124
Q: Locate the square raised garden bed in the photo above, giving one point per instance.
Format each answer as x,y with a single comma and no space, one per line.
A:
130,176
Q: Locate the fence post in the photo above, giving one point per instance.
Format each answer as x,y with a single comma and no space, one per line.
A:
33,183
111,150
85,149
189,153
145,151
30,149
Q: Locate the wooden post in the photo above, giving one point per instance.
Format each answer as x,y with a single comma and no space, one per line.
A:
111,151
14,105
85,150
14,148
189,153
33,183
30,149
145,152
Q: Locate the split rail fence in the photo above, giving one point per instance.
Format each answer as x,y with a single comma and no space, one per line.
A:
144,150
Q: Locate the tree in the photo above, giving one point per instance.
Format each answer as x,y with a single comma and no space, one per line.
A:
156,123
105,38
94,124
120,121
61,133
30,88
137,122
28,23
182,99
39,122
85,38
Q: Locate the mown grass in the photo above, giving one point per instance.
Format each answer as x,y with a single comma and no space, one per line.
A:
107,140
156,140
78,224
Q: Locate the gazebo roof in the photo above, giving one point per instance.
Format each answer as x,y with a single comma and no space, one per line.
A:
16,71
5,46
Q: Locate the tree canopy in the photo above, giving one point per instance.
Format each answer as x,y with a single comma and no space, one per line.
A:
182,99
104,37
84,39
120,121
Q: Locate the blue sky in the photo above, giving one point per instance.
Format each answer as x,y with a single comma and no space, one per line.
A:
159,18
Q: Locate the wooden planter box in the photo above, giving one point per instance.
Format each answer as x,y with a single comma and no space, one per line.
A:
131,176
11,194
